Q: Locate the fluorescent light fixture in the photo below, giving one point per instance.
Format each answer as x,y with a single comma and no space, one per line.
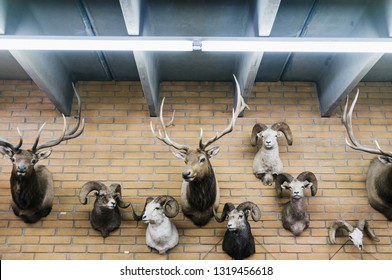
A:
270,44
212,44
93,43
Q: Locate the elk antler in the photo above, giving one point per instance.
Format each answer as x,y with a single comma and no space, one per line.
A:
64,136
166,139
347,122
240,106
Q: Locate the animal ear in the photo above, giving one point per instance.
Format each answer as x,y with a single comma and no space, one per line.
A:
7,152
44,154
385,160
213,151
179,155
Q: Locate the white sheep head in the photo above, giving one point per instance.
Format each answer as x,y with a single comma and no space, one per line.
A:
155,209
267,136
305,180
354,234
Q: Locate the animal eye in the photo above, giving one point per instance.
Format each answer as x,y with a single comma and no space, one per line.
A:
157,208
350,237
13,160
202,160
240,216
34,161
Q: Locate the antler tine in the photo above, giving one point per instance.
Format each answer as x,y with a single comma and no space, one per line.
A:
71,134
240,106
166,139
347,122
52,143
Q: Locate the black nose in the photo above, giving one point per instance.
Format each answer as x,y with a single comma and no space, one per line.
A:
186,174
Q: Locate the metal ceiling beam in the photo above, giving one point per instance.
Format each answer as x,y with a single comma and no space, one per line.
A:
249,63
340,78
3,15
149,78
266,14
131,13
145,61
49,74
44,68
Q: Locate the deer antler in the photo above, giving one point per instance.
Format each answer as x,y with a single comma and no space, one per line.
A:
166,139
347,122
240,106
64,136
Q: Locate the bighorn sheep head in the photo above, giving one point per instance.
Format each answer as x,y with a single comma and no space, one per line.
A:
237,216
267,135
155,208
108,197
305,180
355,234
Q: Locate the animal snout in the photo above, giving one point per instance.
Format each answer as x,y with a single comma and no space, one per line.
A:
187,175
21,168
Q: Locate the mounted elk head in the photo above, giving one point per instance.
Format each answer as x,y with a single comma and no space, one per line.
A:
200,191
379,176
31,184
267,163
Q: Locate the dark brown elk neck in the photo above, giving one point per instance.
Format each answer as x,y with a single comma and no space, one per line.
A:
25,190
384,185
202,192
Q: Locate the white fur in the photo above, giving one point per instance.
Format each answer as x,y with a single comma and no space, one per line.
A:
161,233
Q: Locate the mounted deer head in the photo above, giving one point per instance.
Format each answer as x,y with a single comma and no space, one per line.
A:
31,185
379,176
200,191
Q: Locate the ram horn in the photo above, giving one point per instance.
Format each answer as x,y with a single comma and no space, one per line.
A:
280,179
366,228
284,127
252,207
311,178
136,217
89,187
169,204
336,225
116,188
226,209
257,128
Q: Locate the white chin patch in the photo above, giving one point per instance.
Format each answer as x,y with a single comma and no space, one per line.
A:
190,179
21,174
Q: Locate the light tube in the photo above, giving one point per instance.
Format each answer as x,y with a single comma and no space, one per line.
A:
93,43
270,44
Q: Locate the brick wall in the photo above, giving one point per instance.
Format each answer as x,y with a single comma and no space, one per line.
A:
117,146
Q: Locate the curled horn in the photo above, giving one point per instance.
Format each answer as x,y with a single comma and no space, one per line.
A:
226,209
284,127
336,225
280,179
116,188
252,207
89,187
311,178
257,128
364,226
137,217
169,204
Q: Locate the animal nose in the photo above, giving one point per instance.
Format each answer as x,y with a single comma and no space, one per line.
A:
113,203
186,174
268,142
144,217
21,168
296,192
